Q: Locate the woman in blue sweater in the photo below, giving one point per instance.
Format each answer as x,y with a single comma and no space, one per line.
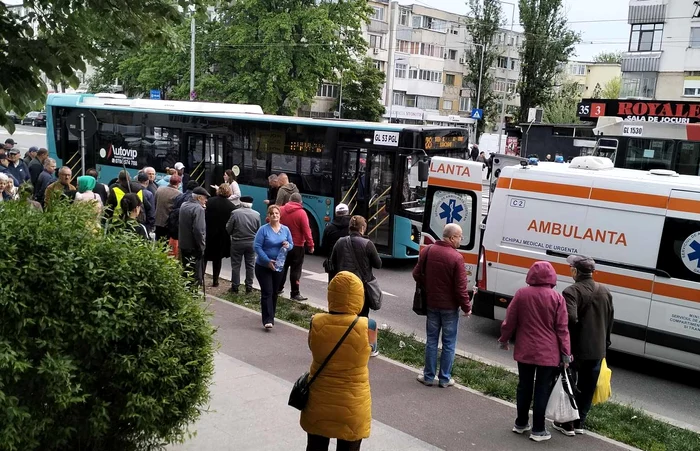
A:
269,241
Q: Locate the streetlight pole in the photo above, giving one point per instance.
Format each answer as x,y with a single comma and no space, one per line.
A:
481,74
502,123
192,36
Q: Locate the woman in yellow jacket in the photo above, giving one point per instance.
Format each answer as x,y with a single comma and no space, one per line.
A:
340,404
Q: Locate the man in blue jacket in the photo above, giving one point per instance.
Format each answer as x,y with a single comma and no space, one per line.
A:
17,168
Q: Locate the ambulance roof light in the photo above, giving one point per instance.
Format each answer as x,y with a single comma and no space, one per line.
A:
592,163
664,172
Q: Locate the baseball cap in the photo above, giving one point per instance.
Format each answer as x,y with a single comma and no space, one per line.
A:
342,209
10,141
201,191
247,199
13,151
33,149
179,166
581,263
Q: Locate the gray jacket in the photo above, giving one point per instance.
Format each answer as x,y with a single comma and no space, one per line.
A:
193,229
243,224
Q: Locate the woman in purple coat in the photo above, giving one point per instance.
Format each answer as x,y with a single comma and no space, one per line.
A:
538,315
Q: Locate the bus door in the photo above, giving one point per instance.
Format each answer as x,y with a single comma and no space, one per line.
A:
204,157
353,182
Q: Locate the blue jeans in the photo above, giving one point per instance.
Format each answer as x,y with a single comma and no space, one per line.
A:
447,321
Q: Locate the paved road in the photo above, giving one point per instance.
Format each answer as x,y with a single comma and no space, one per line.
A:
659,388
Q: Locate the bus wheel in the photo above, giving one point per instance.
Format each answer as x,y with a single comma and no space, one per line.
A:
314,233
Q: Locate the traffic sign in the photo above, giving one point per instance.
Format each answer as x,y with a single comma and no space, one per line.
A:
477,113
155,94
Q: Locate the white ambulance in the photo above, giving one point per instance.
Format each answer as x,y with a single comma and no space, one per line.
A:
455,194
641,227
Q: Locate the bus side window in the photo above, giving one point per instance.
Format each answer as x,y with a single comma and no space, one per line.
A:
679,251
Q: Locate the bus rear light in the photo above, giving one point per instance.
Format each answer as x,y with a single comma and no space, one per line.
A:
481,281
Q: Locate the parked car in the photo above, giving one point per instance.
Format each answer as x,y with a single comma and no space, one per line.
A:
12,115
35,119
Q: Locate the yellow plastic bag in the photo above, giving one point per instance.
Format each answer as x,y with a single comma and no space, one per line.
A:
603,390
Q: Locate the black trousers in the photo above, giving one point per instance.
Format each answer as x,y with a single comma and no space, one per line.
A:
586,374
292,265
161,233
216,263
194,265
320,443
269,281
540,379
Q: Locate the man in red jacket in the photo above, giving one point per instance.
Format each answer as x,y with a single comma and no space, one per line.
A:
294,217
446,294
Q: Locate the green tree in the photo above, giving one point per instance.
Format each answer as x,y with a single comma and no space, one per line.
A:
608,57
611,90
482,24
57,38
597,91
112,350
548,45
362,92
274,52
561,108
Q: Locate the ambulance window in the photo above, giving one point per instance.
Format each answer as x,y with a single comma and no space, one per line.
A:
679,252
445,206
647,154
688,161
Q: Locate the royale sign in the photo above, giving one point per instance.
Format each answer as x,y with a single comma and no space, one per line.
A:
641,110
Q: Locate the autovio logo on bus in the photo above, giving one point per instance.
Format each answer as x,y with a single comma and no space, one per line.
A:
120,156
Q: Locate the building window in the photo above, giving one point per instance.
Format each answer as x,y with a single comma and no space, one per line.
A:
403,17
327,90
427,103
511,41
429,23
646,37
449,79
691,92
403,46
638,84
410,101
417,21
400,98
502,62
695,37
501,85
413,74
465,104
379,65
513,63
447,104
415,48
400,70
430,75
377,13
452,54
375,41
431,50
577,69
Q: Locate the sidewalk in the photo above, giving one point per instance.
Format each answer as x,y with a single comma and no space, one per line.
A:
255,371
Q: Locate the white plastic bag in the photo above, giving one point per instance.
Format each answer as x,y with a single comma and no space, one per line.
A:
561,406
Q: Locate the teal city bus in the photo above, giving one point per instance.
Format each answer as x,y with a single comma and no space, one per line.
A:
372,167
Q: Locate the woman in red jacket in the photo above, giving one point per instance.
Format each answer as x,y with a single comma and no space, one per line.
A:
538,314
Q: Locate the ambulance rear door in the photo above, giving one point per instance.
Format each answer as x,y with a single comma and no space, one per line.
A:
673,333
454,196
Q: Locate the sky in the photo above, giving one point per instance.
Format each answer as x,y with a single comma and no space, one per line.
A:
602,23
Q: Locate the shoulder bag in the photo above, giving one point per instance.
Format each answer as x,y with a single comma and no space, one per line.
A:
420,297
299,396
373,293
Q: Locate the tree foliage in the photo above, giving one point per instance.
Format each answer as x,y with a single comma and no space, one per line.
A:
561,108
482,24
548,45
608,57
104,345
57,38
362,92
611,90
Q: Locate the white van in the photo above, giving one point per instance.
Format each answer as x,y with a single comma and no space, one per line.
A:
642,228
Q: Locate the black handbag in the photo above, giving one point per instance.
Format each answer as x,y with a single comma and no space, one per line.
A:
299,396
420,297
373,293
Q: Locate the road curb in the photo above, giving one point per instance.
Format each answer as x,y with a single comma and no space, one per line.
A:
416,371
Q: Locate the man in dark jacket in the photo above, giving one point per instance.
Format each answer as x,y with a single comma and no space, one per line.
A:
5,166
337,229
193,234
101,189
152,186
36,165
286,190
45,179
148,196
590,309
443,266
475,152
17,168
272,190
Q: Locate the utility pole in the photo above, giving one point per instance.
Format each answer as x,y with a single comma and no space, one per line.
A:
502,124
192,36
481,74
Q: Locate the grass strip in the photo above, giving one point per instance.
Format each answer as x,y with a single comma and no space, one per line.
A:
616,421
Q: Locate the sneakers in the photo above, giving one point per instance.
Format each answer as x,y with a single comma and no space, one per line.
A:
248,290
540,436
449,383
374,354
233,289
578,427
299,297
422,380
521,430
268,326
565,428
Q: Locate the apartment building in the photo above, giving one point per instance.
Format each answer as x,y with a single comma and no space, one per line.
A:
590,75
663,56
422,52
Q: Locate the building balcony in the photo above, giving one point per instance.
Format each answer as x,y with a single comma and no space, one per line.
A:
649,11
641,62
378,26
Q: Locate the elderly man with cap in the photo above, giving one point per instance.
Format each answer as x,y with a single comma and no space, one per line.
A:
180,168
30,155
193,233
17,168
5,166
242,226
590,309
10,143
337,229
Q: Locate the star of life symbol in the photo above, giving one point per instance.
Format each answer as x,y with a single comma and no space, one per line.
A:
451,212
690,252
